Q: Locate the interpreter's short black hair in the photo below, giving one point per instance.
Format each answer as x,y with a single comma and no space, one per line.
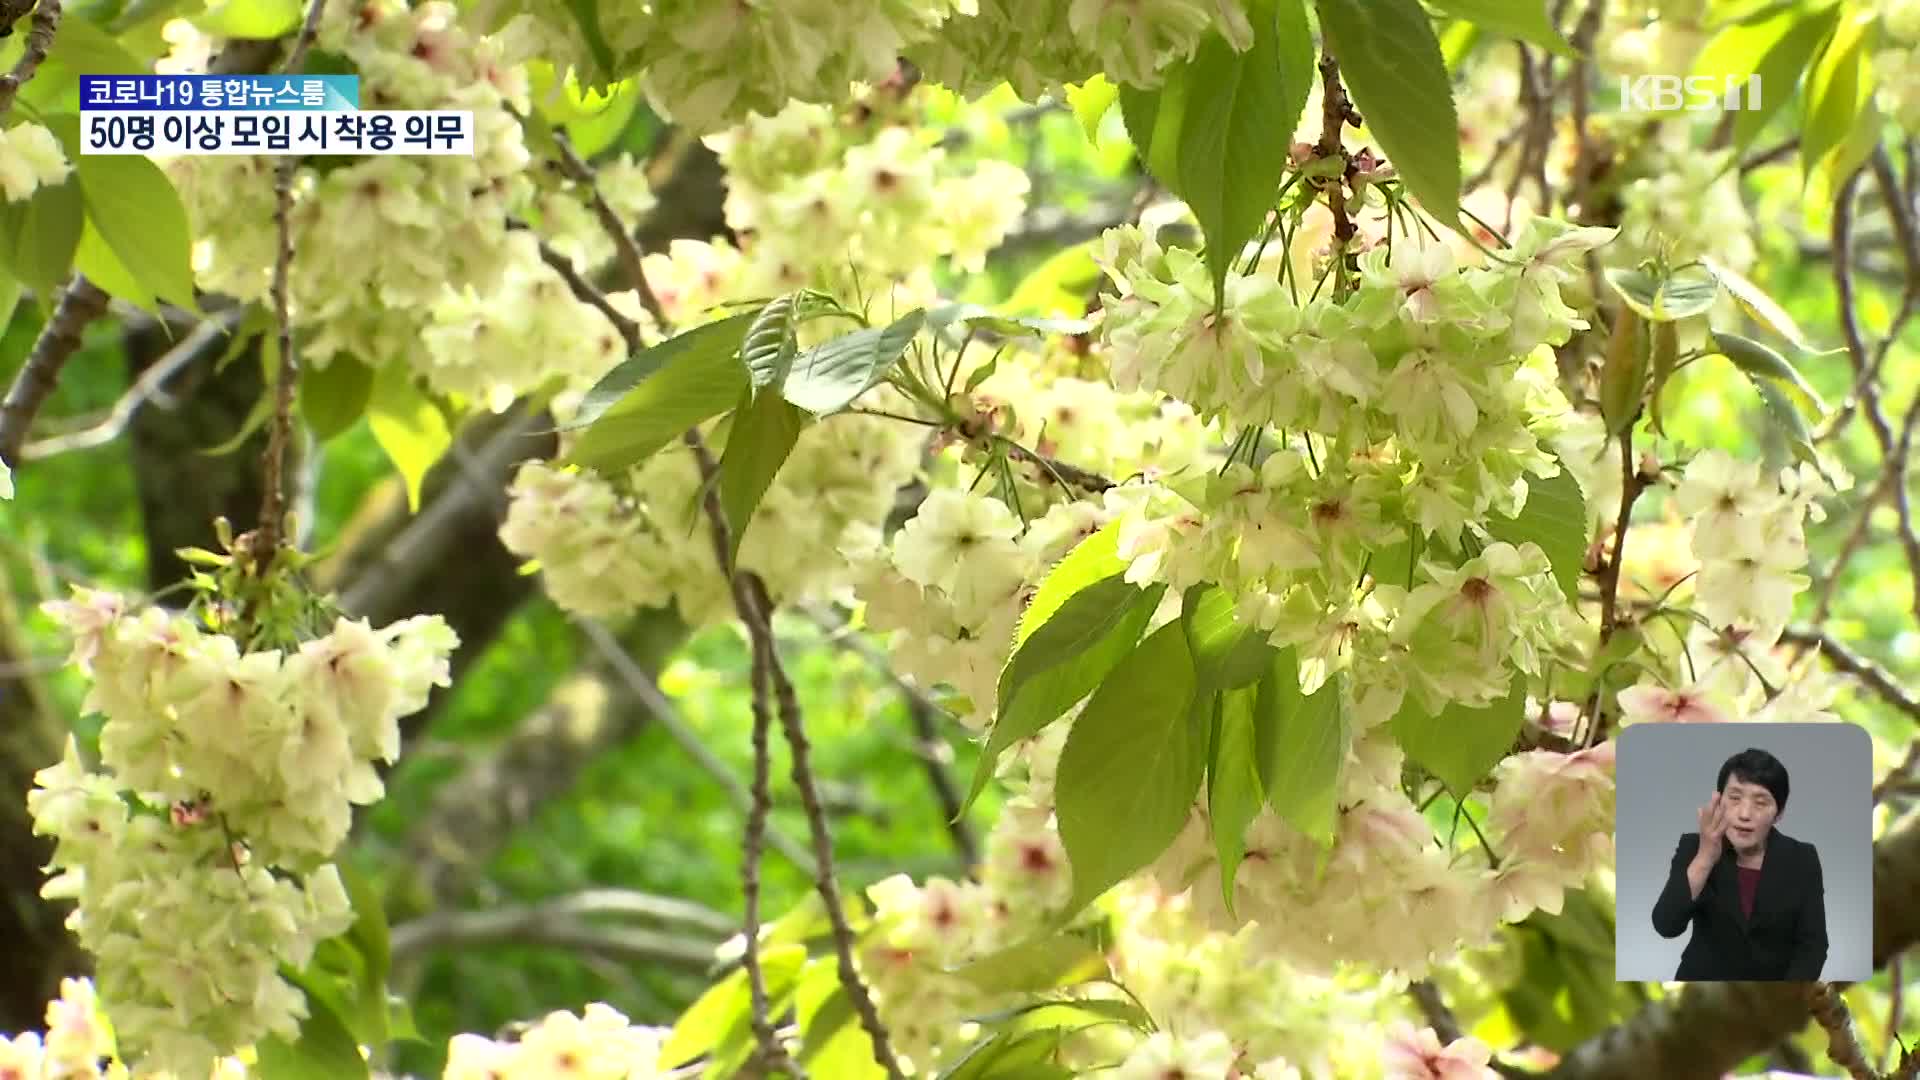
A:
1755,766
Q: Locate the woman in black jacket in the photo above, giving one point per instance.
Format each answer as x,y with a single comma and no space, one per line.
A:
1753,894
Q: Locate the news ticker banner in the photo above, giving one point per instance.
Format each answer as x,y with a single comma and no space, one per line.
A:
197,115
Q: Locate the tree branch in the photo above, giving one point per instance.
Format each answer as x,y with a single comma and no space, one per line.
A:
1843,1043
80,303
1441,1019
699,931
1877,678
46,22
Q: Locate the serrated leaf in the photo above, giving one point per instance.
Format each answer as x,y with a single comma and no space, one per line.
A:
333,398
763,433
1681,294
369,933
1755,358
1090,102
94,258
1787,421
140,216
828,377
1462,744
1131,767
1838,88
1523,19
1093,559
657,395
408,426
1152,120
325,1050
603,122
1233,780
40,235
1011,1056
1303,744
1555,518
1067,1014
769,346
1755,302
1395,74
1062,661
1230,164
722,1015
1227,653
1001,323
1777,49
82,47
1059,959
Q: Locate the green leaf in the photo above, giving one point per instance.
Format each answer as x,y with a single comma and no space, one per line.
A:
84,48
1665,354
1233,779
1554,517
1001,323
1755,302
1153,119
655,396
324,1051
1090,102
1067,1015
10,291
1623,376
408,426
1756,359
258,19
1060,286
586,15
140,216
1093,559
828,377
1011,1056
1063,660
96,260
1777,49
369,932
1838,88
1686,292
1395,74
1226,653
832,1042
1303,744
1523,19
1055,960
604,122
1131,767
334,397
764,431
1787,421
38,237
722,1015
1462,744
770,346
1230,163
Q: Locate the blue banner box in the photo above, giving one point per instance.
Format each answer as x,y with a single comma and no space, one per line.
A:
222,93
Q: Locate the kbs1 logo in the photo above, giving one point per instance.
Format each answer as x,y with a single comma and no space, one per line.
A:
1689,93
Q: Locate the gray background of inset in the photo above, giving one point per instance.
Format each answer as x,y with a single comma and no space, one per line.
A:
1665,772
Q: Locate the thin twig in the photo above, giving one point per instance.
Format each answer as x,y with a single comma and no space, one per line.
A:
510,923
46,22
772,1053
1335,113
1875,677
1441,1019
147,387
1843,1043
584,291
1896,1004
80,303
624,245
273,500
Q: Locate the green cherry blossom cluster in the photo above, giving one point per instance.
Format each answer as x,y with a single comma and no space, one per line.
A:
1747,540
495,320
859,203
199,848
30,158
711,65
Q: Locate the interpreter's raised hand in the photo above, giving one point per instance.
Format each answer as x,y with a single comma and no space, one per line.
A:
1713,829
